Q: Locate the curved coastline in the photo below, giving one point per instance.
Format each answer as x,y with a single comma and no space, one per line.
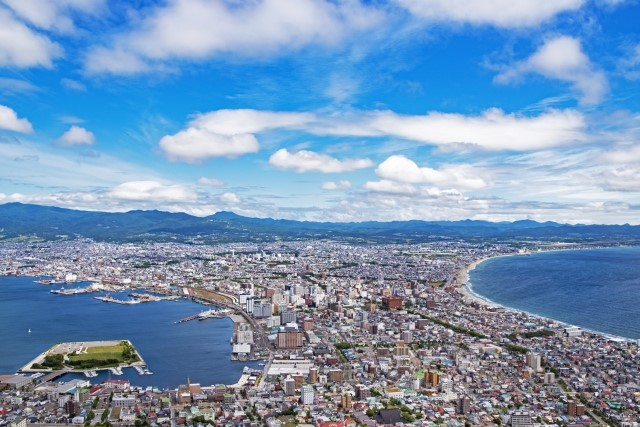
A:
465,288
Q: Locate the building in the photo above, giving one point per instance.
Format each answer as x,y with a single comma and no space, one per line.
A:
391,303
362,392
289,339
549,378
313,375
463,406
521,419
534,361
121,401
289,386
307,394
345,401
288,316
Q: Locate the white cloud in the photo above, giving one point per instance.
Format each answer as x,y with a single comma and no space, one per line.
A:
52,15
309,161
629,65
233,122
152,191
9,120
73,85
393,187
626,179
401,169
200,29
212,182
76,135
562,58
22,47
500,13
623,155
194,145
336,185
14,86
230,198
492,130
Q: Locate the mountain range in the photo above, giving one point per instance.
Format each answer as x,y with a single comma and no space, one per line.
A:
20,222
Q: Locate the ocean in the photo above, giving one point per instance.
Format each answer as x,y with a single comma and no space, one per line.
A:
195,350
595,289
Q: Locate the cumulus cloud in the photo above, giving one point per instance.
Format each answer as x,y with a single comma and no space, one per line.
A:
212,182
182,29
233,122
226,133
500,13
194,145
336,185
76,135
22,47
562,58
9,120
152,191
230,198
401,169
309,161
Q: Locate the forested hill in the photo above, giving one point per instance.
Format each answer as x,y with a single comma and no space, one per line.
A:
32,222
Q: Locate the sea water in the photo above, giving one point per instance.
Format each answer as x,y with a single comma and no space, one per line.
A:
596,289
195,350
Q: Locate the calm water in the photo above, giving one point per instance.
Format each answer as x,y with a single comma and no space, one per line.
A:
596,289
198,350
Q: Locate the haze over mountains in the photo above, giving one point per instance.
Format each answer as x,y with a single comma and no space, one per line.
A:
33,222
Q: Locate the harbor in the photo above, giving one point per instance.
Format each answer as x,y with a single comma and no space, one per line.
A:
207,314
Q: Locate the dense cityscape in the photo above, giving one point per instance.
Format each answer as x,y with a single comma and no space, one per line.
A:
349,334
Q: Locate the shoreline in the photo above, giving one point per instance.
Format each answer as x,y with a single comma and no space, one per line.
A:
465,289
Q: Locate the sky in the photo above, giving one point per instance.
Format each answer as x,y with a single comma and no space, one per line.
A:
324,110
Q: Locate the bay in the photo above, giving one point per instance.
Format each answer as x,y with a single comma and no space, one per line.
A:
196,350
596,289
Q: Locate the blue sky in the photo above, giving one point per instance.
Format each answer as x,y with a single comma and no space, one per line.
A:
324,110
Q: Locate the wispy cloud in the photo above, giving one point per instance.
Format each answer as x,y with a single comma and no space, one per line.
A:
499,13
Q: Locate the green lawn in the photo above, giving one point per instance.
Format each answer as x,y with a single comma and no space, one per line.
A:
103,355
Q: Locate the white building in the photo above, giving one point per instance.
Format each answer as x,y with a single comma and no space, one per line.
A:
308,394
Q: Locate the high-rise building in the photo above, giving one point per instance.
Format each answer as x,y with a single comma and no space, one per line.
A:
534,361
288,316
307,394
549,378
345,401
463,406
362,392
289,386
313,375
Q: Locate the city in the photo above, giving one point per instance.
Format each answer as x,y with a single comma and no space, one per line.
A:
350,334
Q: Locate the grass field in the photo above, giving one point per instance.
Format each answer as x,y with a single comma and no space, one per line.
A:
120,352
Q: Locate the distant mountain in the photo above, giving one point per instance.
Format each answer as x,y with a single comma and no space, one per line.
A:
32,222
